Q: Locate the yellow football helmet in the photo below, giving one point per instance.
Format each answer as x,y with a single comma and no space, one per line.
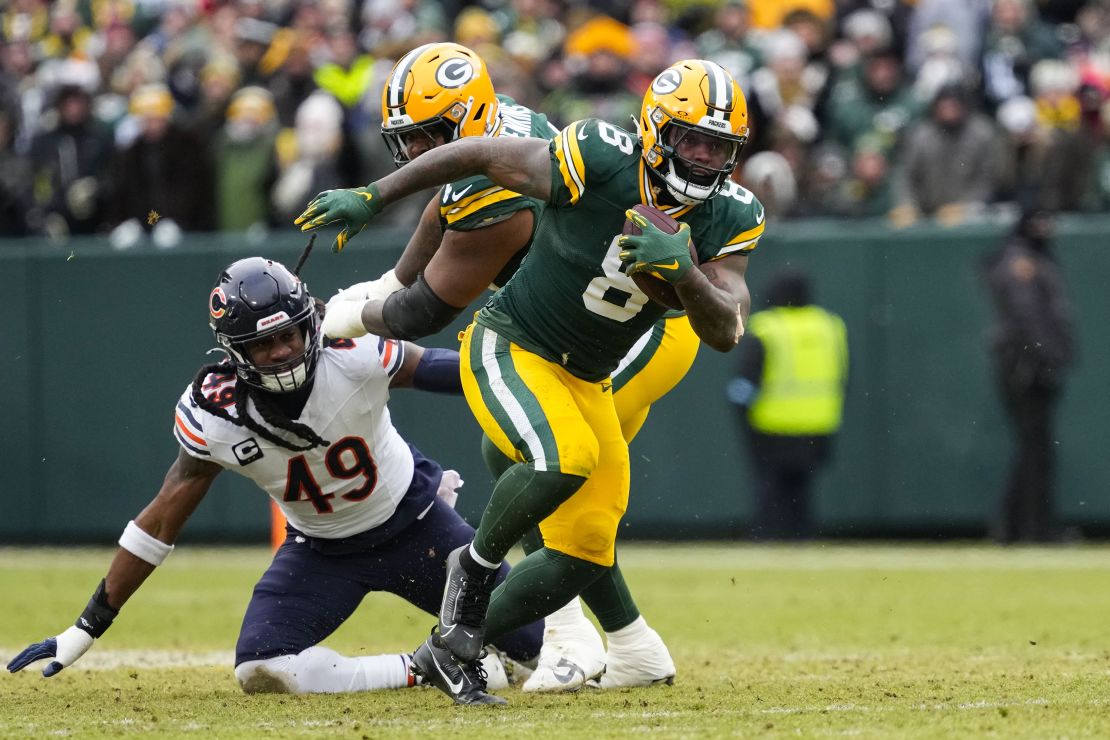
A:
436,91
693,106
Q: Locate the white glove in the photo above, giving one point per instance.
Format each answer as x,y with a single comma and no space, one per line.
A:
379,289
66,648
448,487
343,319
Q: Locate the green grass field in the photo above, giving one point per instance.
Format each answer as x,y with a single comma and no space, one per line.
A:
821,640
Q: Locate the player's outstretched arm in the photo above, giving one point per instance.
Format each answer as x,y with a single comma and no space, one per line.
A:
717,300
518,164
145,543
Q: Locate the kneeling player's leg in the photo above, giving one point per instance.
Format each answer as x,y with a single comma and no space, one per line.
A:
300,600
414,567
321,670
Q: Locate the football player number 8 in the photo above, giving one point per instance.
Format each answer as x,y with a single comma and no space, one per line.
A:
614,295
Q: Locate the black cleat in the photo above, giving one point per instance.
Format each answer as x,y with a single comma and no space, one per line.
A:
462,615
465,683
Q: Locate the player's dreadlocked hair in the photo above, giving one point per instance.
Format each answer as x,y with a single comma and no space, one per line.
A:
270,413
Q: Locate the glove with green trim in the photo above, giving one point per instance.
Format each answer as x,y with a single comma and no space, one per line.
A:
666,256
353,208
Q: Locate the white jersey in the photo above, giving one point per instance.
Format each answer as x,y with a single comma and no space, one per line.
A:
348,487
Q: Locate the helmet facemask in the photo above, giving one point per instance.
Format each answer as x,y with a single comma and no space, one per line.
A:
441,129
693,181
283,377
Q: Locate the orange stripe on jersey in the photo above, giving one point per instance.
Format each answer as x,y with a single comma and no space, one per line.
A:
387,355
186,431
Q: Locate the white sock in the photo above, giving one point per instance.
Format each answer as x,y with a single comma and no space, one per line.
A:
482,561
570,615
321,670
626,636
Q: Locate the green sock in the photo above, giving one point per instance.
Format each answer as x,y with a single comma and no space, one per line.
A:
608,597
537,586
610,600
521,499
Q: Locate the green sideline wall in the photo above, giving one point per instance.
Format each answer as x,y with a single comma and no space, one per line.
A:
97,346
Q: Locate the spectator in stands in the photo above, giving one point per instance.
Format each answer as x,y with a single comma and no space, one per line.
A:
1033,344
947,168
597,56
877,104
965,20
311,163
789,394
1016,40
1071,137
867,191
1023,147
293,82
245,162
15,182
862,34
163,180
941,64
348,72
786,83
729,42
392,27
653,54
770,176
69,161
253,39
895,16
219,78
771,14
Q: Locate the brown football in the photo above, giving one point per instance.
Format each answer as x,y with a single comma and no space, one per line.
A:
657,289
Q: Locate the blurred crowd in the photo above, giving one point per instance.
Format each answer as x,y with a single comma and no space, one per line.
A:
143,119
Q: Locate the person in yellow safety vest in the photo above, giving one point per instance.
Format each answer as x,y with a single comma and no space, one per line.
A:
793,370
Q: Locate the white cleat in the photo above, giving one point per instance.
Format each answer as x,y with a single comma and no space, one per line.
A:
570,656
496,676
643,664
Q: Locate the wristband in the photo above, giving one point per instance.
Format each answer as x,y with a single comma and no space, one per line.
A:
142,545
98,615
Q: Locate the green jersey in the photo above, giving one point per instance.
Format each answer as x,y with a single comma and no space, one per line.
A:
475,202
571,302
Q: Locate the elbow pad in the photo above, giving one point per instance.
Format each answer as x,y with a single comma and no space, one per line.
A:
416,311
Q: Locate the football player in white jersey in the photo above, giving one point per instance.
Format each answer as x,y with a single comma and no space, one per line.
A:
306,419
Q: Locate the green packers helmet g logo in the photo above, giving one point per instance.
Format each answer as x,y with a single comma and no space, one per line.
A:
667,82
454,73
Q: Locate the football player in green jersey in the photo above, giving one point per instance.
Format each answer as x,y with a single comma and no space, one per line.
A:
475,234
537,361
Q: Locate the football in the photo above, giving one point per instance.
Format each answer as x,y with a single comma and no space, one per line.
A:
657,289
